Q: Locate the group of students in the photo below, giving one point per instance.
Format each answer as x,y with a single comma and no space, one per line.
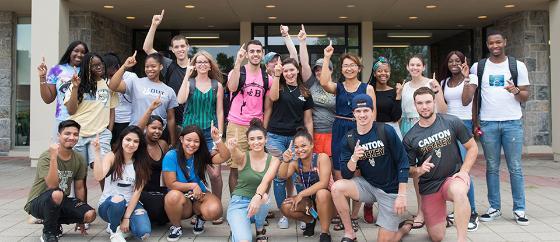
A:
154,142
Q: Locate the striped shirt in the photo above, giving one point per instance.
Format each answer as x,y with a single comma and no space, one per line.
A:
200,109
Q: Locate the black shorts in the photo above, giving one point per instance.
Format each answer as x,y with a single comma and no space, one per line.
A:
72,210
153,202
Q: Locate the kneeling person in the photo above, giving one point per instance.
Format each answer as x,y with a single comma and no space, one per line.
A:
58,169
435,158
376,150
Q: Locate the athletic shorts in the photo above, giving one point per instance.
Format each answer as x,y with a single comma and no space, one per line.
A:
239,131
322,143
433,205
386,218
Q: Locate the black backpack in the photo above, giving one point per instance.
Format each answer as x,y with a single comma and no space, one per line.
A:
380,130
243,77
480,71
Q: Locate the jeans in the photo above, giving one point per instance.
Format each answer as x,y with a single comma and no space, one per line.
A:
276,145
85,148
509,135
463,150
113,212
239,224
208,137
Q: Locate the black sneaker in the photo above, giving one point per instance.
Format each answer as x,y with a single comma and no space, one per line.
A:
309,229
325,237
175,233
521,218
49,237
59,231
490,215
198,226
473,222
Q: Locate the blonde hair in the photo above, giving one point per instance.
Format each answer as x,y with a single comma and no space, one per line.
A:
214,72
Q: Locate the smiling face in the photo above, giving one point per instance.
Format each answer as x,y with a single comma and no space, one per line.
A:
363,116
97,67
256,140
190,143
290,72
68,137
415,67
77,55
130,143
202,64
152,68
154,131
303,147
255,54
350,69
383,73
180,48
496,44
454,64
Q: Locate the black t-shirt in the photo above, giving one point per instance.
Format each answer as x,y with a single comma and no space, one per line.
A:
439,141
287,111
388,109
174,74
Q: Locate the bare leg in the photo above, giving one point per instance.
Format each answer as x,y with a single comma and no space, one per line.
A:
177,207
341,191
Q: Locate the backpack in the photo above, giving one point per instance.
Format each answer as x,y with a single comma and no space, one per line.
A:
243,77
192,87
480,71
380,130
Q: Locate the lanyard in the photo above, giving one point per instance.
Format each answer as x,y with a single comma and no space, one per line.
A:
300,168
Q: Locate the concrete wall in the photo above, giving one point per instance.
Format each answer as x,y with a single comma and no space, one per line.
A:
528,36
101,34
7,59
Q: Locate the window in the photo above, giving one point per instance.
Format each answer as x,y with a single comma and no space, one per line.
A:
22,86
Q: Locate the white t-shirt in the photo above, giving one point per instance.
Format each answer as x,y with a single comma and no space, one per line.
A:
454,98
497,103
124,109
123,187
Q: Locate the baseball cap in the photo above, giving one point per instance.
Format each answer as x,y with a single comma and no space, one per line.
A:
319,62
269,56
362,101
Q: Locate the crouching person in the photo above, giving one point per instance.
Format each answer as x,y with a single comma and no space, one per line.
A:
125,170
58,169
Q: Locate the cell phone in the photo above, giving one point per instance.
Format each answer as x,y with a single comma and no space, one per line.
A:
313,213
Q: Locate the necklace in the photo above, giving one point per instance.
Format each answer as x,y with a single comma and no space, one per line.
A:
292,90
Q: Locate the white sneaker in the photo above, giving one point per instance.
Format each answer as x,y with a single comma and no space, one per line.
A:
521,218
283,223
490,215
302,225
117,236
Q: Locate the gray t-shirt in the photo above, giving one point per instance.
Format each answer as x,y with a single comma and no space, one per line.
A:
143,92
439,141
324,109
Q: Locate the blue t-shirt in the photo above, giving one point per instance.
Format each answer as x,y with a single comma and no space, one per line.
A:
384,166
170,164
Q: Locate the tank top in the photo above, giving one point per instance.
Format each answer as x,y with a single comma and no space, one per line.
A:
200,109
344,99
249,179
154,184
308,178
120,187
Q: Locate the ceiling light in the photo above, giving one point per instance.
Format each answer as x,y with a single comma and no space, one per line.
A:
272,17
203,36
312,35
412,17
270,6
431,6
509,6
342,17
211,26
350,6
460,25
201,17
109,6
391,46
130,17
482,17
189,6
409,35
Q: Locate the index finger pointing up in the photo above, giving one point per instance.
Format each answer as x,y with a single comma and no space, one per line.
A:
134,55
291,144
242,46
302,28
162,12
358,143
330,42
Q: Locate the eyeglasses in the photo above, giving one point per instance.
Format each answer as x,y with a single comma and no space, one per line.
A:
350,66
202,63
97,66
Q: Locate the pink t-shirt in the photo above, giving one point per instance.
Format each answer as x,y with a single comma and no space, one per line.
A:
249,102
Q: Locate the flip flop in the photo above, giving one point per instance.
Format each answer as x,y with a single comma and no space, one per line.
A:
346,239
218,221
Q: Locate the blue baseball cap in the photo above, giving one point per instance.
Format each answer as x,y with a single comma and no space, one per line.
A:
269,56
362,101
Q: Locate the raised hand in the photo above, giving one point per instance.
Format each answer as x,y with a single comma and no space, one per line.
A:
511,87
427,166
156,103
156,20
53,149
434,85
130,61
358,151
278,69
398,91
329,50
241,54
288,155
284,30
465,68
95,144
42,68
75,78
302,36
215,133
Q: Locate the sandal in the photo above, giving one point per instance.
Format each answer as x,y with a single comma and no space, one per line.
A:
346,239
261,236
218,221
417,224
355,224
407,222
335,220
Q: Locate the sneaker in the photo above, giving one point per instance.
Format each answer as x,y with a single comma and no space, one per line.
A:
325,237
198,226
86,226
490,215
302,225
108,229
283,223
368,214
48,237
117,236
175,233
473,222
521,218
309,229
451,217
193,219
59,231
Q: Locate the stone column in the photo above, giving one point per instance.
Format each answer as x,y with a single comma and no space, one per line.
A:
245,31
7,71
554,23
367,49
49,39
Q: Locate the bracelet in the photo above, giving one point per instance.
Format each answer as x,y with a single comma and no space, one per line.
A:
259,195
352,159
518,91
